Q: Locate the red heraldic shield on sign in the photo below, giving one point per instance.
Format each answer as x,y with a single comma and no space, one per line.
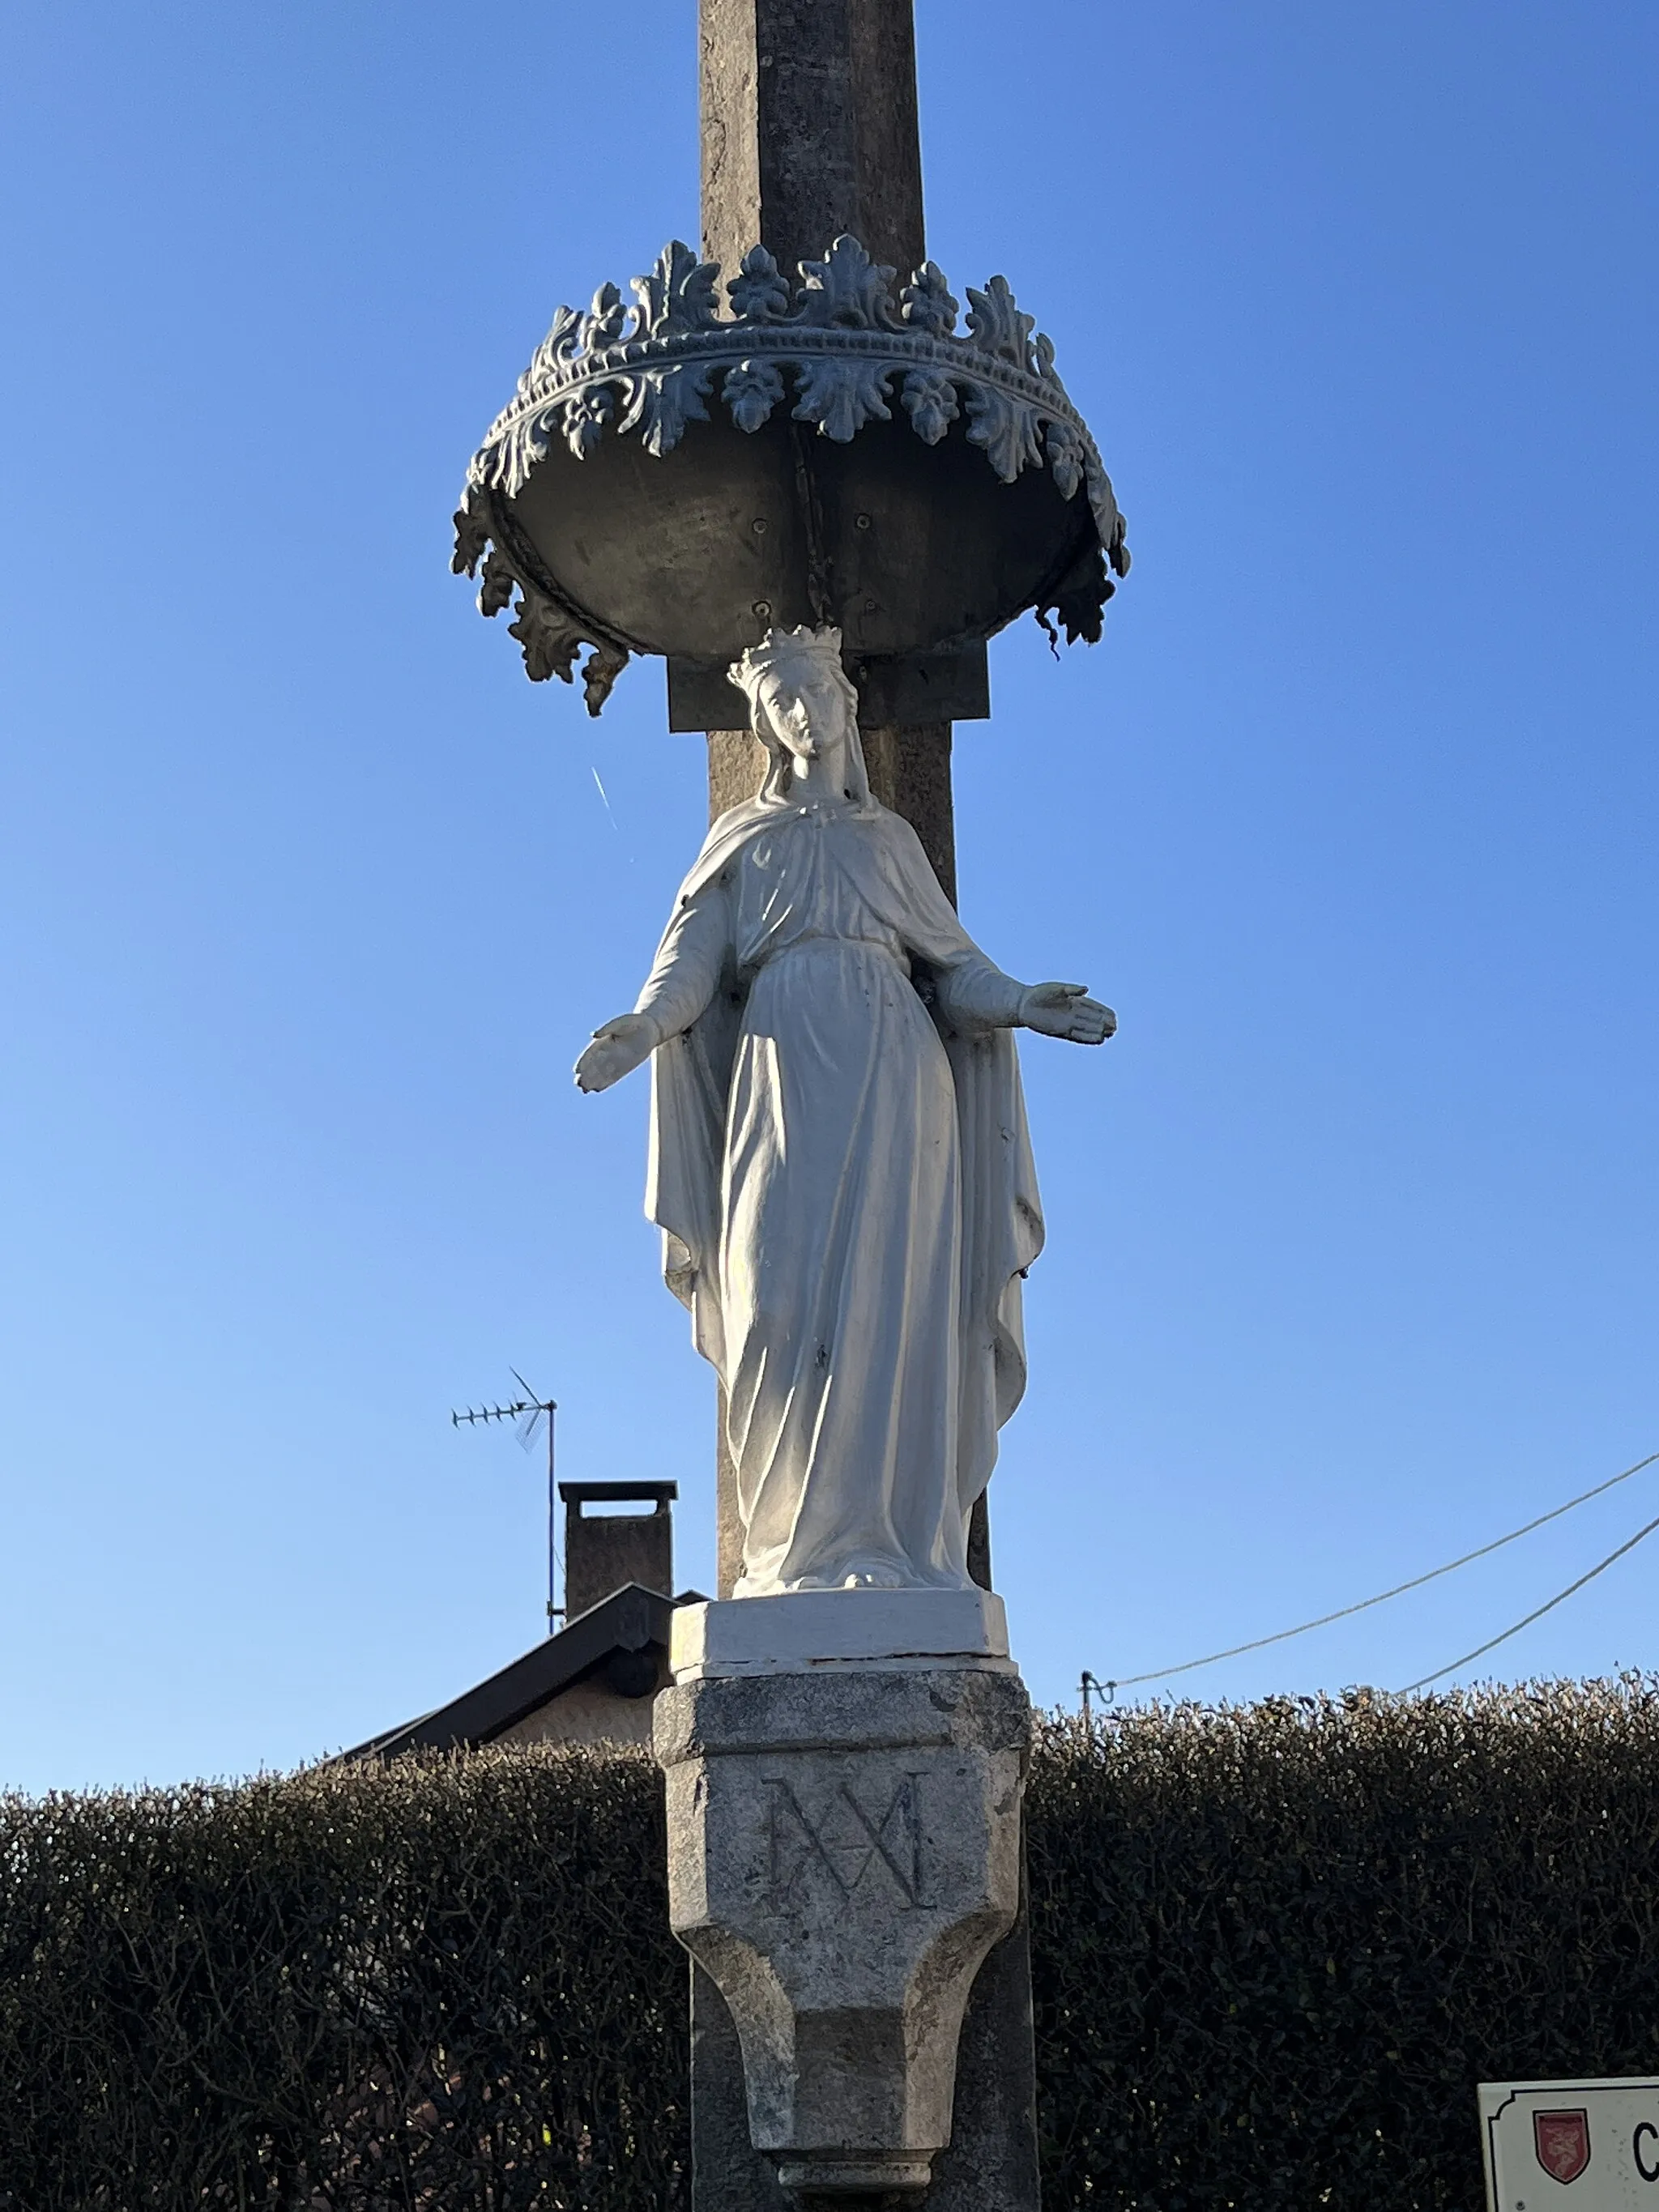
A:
1562,2142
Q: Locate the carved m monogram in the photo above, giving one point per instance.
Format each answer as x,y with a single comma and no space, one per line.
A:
844,1841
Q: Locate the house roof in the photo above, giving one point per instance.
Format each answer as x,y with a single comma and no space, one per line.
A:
632,1618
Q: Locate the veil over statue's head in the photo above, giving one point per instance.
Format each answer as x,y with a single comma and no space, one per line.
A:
799,671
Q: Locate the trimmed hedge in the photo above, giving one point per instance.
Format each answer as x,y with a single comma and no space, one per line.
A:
447,1984
1274,1949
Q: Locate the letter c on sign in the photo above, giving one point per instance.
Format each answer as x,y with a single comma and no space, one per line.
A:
1645,2128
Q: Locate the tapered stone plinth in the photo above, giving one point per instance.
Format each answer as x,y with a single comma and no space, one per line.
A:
844,1851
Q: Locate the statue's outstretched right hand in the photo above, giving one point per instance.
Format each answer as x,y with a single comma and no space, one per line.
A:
618,1048
1065,1010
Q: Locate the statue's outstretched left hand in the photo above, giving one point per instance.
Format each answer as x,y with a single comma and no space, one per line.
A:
1065,1010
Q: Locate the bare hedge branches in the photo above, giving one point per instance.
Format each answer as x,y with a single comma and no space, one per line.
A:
1275,1947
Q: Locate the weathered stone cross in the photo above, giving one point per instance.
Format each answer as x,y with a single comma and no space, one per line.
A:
809,130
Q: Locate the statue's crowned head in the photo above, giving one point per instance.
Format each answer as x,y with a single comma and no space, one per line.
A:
800,701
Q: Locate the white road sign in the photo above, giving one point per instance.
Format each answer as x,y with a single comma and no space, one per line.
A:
1570,2146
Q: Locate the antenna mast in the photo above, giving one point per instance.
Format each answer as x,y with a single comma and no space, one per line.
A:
533,1415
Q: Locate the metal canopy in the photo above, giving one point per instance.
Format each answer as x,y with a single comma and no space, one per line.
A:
672,479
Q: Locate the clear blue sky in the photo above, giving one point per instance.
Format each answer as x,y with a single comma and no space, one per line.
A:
309,899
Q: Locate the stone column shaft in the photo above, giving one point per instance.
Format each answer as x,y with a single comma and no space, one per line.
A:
810,128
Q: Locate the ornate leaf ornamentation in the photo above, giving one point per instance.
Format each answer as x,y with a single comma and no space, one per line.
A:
472,536
548,638
839,331
1117,548
930,401
496,585
645,365
678,296
751,391
608,319
846,290
759,293
927,303
550,634
1108,519
553,357
842,394
583,416
1006,427
1066,457
1000,328
664,400
599,672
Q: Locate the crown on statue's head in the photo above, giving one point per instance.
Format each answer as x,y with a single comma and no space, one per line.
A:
778,648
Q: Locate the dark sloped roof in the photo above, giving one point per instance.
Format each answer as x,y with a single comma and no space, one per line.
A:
632,1618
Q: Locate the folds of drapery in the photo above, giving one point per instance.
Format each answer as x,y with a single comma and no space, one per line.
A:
698,989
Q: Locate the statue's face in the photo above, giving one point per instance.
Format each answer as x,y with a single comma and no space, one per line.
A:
805,706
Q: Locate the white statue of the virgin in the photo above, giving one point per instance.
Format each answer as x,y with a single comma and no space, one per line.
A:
840,1168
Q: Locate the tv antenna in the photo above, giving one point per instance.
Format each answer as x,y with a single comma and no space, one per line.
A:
532,1417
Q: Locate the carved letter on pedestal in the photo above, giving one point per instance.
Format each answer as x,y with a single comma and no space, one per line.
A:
843,1851
842,1839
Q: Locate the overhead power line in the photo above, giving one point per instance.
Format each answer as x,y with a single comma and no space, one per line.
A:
1492,1643
1343,1613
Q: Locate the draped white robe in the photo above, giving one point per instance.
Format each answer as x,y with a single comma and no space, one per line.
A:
844,1183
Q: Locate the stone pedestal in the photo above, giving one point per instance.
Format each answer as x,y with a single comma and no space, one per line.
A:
990,2164
844,1786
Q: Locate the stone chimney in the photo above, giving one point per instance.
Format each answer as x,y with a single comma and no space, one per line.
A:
605,1550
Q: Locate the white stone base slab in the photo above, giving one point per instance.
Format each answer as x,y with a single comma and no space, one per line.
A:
811,1631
